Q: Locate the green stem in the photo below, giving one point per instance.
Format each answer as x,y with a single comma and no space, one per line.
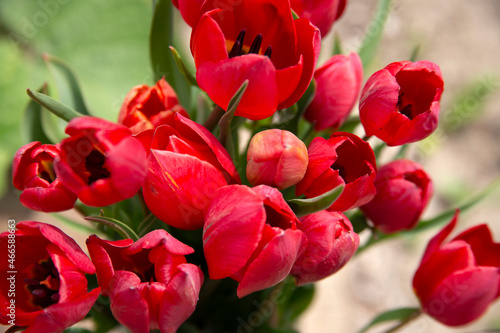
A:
214,118
405,322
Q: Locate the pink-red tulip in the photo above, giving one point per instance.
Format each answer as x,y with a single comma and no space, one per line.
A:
34,174
321,13
403,191
101,162
186,165
338,83
276,158
400,103
343,159
43,286
251,235
149,283
457,280
147,107
258,41
331,243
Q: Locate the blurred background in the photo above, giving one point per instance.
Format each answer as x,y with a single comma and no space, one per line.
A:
106,44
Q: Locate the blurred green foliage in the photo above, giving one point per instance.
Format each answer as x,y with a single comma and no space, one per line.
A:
104,42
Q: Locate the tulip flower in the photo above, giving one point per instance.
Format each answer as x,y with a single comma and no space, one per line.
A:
403,191
457,280
34,174
338,83
258,41
147,107
251,235
400,103
343,159
186,165
276,158
331,243
149,283
101,162
43,286
321,13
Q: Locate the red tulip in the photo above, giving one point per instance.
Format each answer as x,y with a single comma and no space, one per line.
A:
403,191
276,158
457,280
186,165
343,159
321,13
34,174
43,287
251,235
149,282
149,107
258,41
331,243
400,103
101,162
338,83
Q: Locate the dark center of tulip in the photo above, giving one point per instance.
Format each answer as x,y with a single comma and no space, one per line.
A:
418,90
46,171
277,219
239,46
94,163
146,275
43,284
350,163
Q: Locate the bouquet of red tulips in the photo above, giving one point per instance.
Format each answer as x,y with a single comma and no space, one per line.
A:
229,192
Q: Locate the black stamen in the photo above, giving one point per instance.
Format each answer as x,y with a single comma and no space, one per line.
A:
238,44
255,48
39,292
268,52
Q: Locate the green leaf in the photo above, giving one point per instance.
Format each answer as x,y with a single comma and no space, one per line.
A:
225,121
32,129
337,45
374,33
66,83
123,229
182,67
75,225
300,300
162,60
402,315
303,207
57,108
53,126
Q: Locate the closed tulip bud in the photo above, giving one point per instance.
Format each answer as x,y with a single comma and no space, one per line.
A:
149,282
343,159
321,13
403,191
338,83
276,158
33,173
101,162
400,103
251,236
147,107
331,243
458,280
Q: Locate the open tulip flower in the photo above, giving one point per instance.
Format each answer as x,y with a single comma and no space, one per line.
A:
101,162
457,280
403,191
50,283
258,41
331,243
149,282
186,165
343,159
33,173
147,107
251,235
321,13
400,103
